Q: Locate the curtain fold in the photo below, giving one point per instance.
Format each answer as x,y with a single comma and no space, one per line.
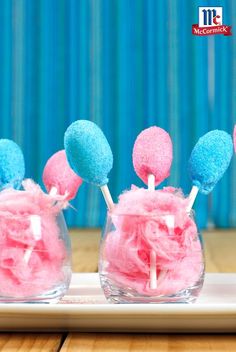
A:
126,65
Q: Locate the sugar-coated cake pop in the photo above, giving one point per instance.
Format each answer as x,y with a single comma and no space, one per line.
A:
12,165
89,154
208,162
58,174
152,154
234,136
210,159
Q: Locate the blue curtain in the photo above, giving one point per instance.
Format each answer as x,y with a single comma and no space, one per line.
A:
126,65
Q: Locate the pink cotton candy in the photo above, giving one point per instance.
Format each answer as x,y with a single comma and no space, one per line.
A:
152,154
141,220
46,267
57,173
234,137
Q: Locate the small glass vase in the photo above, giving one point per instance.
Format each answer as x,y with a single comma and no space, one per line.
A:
151,259
35,258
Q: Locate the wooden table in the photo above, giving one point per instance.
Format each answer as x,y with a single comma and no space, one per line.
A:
220,248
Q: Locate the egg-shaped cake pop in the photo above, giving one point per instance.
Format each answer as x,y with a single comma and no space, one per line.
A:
58,175
153,154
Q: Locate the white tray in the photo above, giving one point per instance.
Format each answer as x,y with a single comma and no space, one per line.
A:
86,309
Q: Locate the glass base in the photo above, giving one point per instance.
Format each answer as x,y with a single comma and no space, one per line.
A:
51,296
116,294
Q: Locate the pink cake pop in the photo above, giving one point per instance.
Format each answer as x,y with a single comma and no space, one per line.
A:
152,154
58,177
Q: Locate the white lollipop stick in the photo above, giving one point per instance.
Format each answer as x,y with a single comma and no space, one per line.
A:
107,196
36,228
192,196
170,222
35,222
153,272
53,191
151,182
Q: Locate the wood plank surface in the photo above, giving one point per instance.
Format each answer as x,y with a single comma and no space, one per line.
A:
24,342
85,249
220,251
92,342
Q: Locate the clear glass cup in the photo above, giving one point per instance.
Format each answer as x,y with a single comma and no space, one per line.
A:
35,258
151,259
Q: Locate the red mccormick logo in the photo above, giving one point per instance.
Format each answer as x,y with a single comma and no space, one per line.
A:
210,22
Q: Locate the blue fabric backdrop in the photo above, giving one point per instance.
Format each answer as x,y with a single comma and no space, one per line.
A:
126,65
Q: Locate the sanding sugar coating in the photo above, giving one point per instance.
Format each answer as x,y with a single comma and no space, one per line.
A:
57,173
88,152
146,221
12,165
152,154
34,246
209,160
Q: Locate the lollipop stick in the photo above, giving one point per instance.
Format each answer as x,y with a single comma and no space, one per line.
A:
168,218
107,196
192,197
36,230
170,222
53,191
151,182
153,272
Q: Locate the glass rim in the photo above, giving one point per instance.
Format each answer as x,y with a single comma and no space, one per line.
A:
6,215
147,214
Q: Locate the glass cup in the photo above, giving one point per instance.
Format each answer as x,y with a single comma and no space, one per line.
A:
151,259
35,258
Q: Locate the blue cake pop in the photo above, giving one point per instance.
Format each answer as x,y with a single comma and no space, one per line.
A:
89,154
208,162
12,165
210,159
